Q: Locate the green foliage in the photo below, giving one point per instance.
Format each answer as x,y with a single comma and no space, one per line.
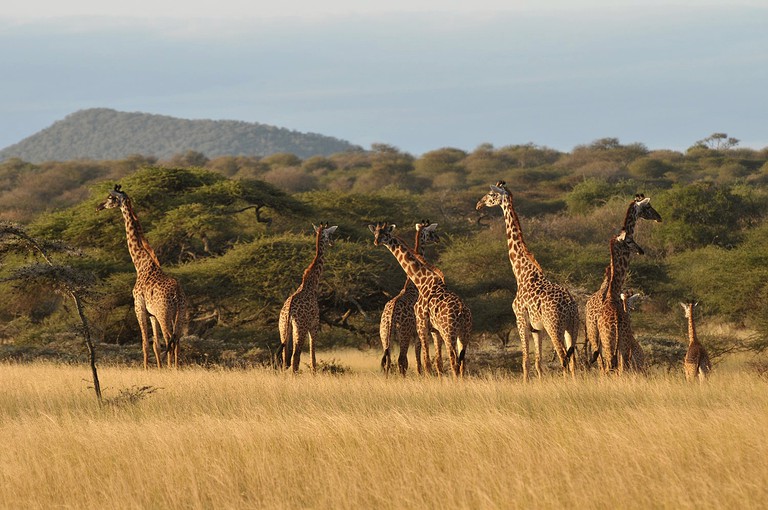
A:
592,193
649,168
698,215
239,244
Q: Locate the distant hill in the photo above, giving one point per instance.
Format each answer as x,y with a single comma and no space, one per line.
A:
101,133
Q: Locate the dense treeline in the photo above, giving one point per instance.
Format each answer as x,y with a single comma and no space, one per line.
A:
236,232
102,133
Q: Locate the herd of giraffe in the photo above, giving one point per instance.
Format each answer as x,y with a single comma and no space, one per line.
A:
426,308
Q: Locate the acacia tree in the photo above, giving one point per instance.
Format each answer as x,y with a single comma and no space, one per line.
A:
718,142
62,279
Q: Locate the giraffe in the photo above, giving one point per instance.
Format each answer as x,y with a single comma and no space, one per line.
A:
156,296
639,208
300,315
696,362
439,312
613,327
539,303
636,358
398,318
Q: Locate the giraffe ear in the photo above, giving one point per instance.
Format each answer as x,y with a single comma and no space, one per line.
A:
641,200
431,227
391,227
332,229
372,228
683,305
500,191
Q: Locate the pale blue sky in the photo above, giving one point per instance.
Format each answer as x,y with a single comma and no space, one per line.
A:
419,75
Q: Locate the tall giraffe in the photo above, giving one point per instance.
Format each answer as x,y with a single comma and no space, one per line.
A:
398,318
600,305
538,304
613,326
300,315
156,296
438,311
696,362
639,208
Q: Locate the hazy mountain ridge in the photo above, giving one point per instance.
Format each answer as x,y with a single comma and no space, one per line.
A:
102,133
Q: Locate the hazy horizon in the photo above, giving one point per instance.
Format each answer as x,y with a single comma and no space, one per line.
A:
414,78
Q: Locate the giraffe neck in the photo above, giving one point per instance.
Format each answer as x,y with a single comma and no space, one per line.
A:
524,264
312,274
617,270
409,287
142,254
615,275
630,220
692,339
422,274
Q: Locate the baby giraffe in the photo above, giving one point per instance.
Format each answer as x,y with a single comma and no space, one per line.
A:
696,359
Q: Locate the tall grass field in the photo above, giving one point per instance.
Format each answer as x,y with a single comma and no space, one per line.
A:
261,439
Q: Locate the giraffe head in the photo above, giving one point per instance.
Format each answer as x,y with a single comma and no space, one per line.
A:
644,210
114,199
630,300
427,232
494,197
325,234
688,308
383,233
629,242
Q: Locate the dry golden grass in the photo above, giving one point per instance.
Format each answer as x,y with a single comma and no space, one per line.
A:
259,439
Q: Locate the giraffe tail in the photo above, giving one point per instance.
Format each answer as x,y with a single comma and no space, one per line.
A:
386,361
568,355
180,328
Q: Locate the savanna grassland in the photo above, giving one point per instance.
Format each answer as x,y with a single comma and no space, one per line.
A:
261,439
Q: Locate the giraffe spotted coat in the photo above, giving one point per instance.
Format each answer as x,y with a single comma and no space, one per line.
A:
439,312
158,298
300,315
398,319
696,363
539,304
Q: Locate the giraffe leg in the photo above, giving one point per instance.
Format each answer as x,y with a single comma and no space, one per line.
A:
570,352
155,341
171,342
436,339
402,358
461,347
521,317
557,338
312,360
536,350
386,330
417,351
462,353
142,316
298,343
449,344
422,327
